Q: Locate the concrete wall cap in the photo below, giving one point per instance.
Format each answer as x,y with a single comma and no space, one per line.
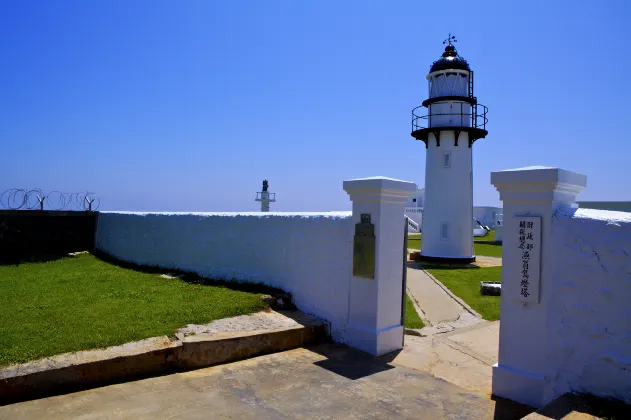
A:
537,175
257,214
378,183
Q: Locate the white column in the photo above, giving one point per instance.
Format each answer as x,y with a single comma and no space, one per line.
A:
448,213
529,194
375,304
265,201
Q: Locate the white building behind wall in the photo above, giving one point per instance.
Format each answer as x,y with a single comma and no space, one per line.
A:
414,208
487,215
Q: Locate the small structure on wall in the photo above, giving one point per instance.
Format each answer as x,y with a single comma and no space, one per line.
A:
265,197
449,122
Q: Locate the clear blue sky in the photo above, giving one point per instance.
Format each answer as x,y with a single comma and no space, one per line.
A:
188,105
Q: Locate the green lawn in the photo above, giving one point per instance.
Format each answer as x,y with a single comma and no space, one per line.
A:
83,302
465,283
412,319
483,249
489,237
488,250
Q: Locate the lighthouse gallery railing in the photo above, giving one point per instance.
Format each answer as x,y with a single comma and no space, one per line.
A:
475,118
270,196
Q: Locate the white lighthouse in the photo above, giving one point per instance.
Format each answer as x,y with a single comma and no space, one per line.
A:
265,197
449,122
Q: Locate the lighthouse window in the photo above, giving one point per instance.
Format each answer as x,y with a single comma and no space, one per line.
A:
447,160
444,231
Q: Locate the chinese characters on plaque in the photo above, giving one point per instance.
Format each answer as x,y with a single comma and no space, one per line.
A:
529,258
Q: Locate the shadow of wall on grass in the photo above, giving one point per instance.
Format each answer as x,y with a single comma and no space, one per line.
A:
435,266
40,236
191,277
13,257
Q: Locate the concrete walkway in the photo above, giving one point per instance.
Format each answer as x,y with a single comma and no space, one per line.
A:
436,305
456,345
320,382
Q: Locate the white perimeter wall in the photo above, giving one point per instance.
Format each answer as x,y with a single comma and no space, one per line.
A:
589,318
284,250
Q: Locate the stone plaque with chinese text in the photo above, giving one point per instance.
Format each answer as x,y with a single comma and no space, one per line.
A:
527,271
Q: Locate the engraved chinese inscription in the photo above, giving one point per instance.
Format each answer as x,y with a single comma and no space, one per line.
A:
529,251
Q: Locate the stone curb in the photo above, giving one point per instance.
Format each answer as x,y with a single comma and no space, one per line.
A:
156,356
418,309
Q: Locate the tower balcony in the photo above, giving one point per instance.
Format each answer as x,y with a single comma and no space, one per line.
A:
265,196
453,116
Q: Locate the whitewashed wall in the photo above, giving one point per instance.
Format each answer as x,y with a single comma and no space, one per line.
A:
306,254
590,309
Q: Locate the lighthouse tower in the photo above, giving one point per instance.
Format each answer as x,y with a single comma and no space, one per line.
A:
449,122
265,197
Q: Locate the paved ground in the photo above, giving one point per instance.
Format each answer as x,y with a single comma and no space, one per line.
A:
457,345
321,382
463,357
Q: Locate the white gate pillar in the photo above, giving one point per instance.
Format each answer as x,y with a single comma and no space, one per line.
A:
374,320
530,197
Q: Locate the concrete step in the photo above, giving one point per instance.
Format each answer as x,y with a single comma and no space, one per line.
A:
322,381
80,370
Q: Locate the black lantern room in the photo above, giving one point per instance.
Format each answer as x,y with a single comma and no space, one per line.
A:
451,104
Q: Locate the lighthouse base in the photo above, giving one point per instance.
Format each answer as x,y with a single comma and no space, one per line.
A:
445,260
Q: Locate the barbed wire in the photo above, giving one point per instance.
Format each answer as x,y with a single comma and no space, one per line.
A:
36,199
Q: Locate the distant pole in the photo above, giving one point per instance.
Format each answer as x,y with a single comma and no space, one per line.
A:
265,197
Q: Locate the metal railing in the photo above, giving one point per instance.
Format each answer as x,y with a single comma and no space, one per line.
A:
36,199
411,223
475,118
260,196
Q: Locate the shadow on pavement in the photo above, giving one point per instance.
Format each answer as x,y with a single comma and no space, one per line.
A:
349,363
509,410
